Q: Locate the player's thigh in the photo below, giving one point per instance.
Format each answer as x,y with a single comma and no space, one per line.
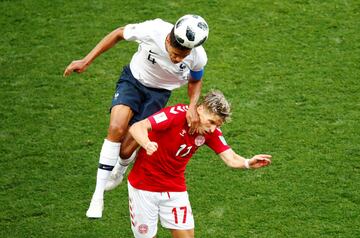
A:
182,233
143,212
176,212
121,115
155,100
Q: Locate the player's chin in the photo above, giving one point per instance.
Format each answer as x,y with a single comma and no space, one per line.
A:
175,61
202,132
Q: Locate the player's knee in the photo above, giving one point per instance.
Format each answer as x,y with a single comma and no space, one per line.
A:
125,153
116,130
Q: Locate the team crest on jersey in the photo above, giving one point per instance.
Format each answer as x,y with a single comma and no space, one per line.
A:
160,117
143,229
199,140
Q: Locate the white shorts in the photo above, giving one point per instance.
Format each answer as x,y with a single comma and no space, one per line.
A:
146,207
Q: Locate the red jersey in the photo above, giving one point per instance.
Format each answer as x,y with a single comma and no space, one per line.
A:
164,170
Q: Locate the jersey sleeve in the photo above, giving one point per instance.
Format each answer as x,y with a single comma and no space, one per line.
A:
168,117
217,142
197,75
200,59
139,31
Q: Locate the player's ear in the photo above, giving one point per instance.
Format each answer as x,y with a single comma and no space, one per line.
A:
200,109
168,39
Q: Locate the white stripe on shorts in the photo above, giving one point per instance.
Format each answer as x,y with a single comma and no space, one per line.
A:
146,207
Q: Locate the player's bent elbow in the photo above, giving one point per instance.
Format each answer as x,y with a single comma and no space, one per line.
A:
119,32
132,129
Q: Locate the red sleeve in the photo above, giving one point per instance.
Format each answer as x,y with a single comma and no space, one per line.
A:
216,142
168,116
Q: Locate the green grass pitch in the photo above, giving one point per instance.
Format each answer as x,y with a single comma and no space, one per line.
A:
290,69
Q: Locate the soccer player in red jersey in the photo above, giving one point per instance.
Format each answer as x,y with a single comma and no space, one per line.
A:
156,183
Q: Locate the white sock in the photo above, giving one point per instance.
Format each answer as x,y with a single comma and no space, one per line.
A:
124,163
108,157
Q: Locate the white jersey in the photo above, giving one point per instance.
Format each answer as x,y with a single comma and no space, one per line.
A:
151,64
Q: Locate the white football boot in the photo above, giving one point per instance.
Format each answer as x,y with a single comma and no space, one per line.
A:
95,209
116,177
118,172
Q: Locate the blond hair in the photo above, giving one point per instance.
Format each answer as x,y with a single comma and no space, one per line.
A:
216,103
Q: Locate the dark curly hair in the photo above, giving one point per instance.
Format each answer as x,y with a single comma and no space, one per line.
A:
174,43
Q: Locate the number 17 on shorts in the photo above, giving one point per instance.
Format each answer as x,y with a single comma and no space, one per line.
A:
146,207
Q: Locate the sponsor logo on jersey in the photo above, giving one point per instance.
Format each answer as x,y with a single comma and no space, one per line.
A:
199,140
176,110
182,66
183,132
160,117
223,140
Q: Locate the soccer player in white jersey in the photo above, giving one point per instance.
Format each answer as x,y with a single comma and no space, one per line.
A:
156,183
168,57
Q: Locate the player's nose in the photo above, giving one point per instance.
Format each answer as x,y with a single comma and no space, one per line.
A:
178,59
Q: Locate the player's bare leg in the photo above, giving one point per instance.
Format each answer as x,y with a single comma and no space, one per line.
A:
119,120
128,153
182,233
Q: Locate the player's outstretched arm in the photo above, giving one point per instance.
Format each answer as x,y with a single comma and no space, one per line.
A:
106,43
192,117
139,131
236,161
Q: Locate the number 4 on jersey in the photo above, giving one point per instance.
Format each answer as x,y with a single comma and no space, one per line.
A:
151,58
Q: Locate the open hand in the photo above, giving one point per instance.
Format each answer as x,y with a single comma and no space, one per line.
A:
193,120
259,161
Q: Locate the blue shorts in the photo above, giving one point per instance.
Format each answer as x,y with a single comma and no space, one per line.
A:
143,101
